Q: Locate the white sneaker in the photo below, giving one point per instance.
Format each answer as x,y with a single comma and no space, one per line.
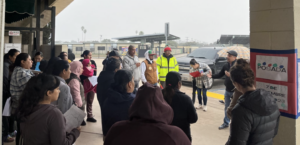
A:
199,107
205,108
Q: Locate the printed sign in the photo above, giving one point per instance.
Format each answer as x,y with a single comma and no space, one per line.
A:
13,33
279,92
272,67
9,46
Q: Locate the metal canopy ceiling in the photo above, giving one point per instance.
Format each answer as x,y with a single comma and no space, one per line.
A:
149,38
235,39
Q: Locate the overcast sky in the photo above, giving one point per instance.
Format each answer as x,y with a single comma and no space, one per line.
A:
201,20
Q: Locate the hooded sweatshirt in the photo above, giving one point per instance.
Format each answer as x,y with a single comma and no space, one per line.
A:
255,119
149,124
87,71
115,108
75,85
46,126
144,68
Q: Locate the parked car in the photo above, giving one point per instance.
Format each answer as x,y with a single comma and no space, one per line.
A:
208,55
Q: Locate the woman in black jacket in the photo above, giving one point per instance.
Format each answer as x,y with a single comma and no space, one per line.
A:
255,117
182,105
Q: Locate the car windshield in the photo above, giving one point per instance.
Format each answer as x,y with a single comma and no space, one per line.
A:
204,53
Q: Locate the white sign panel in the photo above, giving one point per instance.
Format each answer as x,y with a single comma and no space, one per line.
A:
9,46
272,67
13,33
279,92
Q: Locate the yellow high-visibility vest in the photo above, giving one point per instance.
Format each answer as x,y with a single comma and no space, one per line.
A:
164,68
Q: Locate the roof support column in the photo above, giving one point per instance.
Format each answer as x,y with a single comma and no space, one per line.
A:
274,38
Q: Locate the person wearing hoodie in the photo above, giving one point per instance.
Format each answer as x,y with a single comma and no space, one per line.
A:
41,122
182,105
149,122
165,64
131,62
76,88
149,69
119,99
112,54
62,72
255,118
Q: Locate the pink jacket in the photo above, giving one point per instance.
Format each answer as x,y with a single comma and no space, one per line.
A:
74,84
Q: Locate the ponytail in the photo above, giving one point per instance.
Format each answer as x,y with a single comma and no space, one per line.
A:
168,93
172,80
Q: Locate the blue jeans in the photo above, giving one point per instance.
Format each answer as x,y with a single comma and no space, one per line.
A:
227,99
204,96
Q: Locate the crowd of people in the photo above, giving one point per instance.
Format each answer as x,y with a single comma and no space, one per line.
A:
155,113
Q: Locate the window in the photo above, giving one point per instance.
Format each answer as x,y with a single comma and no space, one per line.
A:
79,48
101,47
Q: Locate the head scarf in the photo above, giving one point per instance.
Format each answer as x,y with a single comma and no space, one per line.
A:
76,67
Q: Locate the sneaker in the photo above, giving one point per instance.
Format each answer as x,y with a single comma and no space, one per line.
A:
91,120
83,123
205,108
199,107
13,134
223,126
8,139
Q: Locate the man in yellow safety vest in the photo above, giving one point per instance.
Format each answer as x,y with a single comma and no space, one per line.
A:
166,63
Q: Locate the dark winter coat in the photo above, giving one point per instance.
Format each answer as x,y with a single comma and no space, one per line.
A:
149,124
255,119
105,79
115,108
228,83
184,112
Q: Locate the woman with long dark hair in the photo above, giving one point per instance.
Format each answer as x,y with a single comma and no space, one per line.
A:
119,99
19,78
255,118
9,59
62,72
184,110
41,122
8,122
89,95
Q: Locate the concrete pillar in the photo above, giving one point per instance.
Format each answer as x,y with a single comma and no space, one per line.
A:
275,25
2,25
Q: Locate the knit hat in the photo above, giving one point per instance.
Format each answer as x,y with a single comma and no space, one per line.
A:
167,49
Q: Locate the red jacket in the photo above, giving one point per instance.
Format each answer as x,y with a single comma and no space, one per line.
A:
149,124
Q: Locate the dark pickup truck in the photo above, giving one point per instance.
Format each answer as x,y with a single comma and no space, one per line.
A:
207,55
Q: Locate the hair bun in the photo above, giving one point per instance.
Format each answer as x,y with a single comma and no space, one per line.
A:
242,62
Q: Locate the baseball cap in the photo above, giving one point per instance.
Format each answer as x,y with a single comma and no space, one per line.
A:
150,53
232,52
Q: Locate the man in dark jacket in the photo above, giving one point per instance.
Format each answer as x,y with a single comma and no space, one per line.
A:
231,58
255,119
149,124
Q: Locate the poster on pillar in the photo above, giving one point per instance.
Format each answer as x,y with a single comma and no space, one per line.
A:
276,72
